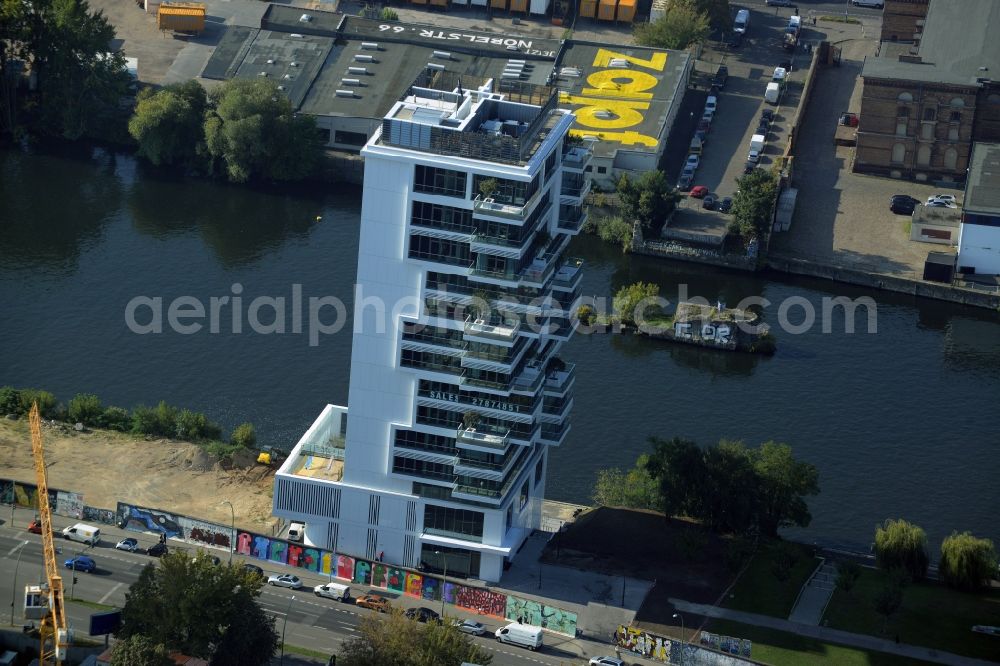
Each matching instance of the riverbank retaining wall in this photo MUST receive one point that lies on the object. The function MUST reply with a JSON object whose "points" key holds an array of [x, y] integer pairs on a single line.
{"points": [[942, 292]]}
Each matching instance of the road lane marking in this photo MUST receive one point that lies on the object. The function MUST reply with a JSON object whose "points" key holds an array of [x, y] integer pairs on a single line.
{"points": [[110, 592]]}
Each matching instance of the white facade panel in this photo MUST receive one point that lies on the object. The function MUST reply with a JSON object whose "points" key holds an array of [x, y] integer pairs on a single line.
{"points": [[979, 248]]}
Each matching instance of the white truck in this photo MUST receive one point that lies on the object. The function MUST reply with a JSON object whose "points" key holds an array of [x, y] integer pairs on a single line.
{"points": [[756, 148], [83, 533], [773, 93]]}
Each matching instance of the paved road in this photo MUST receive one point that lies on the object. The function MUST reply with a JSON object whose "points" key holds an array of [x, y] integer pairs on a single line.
{"points": [[318, 624]]}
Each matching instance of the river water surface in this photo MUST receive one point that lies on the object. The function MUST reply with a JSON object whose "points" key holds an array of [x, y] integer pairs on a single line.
{"points": [[900, 423]]}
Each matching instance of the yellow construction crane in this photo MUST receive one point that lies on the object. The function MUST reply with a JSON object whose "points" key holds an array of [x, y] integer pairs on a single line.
{"points": [[46, 603]]}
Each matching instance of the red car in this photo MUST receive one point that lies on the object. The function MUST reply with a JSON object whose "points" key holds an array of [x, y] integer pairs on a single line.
{"points": [[35, 527], [698, 191]]}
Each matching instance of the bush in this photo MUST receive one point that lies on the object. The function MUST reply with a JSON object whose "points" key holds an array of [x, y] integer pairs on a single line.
{"points": [[244, 436], [967, 563], [85, 408], [10, 401], [902, 545], [143, 420], [160, 420], [46, 402], [116, 418], [388, 14], [195, 426], [848, 574]]}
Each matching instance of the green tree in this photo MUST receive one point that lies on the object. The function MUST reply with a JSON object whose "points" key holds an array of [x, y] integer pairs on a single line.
{"points": [[615, 230], [753, 203], [681, 26], [194, 426], [889, 598], [116, 418], [650, 199], [10, 401], [244, 435], [848, 574], [679, 467], [203, 610], [966, 562], [78, 80], [139, 651], [635, 488], [46, 402], [635, 303], [252, 132], [901, 545], [85, 408], [720, 16], [394, 640], [169, 124], [783, 485], [727, 496]]}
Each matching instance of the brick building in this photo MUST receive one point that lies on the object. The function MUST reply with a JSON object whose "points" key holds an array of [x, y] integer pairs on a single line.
{"points": [[903, 20], [923, 104]]}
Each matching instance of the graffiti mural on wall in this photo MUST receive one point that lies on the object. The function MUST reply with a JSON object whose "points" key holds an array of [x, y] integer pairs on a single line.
{"points": [[483, 601], [345, 567], [92, 514], [414, 585], [140, 519], [431, 589], [362, 572], [206, 533], [738, 646], [540, 615], [645, 644], [23, 494], [69, 504]]}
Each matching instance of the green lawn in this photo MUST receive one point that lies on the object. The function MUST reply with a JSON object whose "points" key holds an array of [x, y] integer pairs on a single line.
{"points": [[306, 652], [932, 615], [785, 649], [759, 591], [91, 604]]}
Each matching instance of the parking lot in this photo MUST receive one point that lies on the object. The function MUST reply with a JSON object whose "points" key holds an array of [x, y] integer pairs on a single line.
{"points": [[739, 106]]}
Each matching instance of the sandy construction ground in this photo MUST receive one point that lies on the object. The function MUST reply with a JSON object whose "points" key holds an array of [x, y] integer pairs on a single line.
{"points": [[107, 467]]}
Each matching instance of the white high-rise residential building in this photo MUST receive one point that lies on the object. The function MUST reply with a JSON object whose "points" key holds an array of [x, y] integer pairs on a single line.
{"points": [[471, 194]]}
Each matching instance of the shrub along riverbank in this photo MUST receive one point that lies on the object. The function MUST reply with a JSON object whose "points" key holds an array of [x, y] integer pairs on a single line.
{"points": [[163, 420]]}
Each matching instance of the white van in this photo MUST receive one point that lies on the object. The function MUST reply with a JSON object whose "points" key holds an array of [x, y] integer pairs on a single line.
{"points": [[773, 93], [524, 635], [742, 22], [83, 533], [295, 531], [333, 591]]}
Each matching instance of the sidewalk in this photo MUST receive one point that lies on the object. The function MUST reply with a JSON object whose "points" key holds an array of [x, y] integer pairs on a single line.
{"points": [[815, 595], [826, 634]]}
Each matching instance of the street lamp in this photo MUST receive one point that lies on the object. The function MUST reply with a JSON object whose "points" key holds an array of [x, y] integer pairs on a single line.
{"points": [[680, 617], [232, 530], [284, 625], [14, 582], [445, 557]]}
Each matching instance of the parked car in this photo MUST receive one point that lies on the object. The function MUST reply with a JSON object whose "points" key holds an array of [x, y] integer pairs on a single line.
{"points": [[704, 125], [709, 202], [81, 563], [721, 76], [606, 661], [711, 104], [285, 580], [35, 526], [786, 65], [753, 156], [333, 591], [778, 3], [736, 41], [702, 135], [422, 614], [698, 191], [254, 569], [768, 115], [469, 627], [374, 602], [763, 127], [129, 544], [903, 204], [692, 163], [749, 167], [725, 205], [157, 550], [684, 182], [875, 4], [946, 199]]}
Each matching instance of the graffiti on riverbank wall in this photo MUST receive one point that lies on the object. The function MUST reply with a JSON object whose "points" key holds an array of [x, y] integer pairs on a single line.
{"points": [[643, 643], [540, 615], [740, 647], [92, 514], [24, 494], [728, 650], [69, 504]]}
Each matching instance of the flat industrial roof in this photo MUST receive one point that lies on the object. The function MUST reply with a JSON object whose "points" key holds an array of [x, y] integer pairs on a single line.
{"points": [[601, 99], [393, 68], [982, 189]]}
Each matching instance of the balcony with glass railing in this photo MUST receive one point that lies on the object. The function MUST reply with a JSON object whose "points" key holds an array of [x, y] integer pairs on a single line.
{"points": [[560, 380], [574, 186], [554, 434], [487, 436], [572, 218], [569, 275], [494, 328], [508, 208]]}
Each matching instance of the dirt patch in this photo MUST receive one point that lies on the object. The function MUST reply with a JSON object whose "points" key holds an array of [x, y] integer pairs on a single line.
{"points": [[685, 561], [108, 467]]}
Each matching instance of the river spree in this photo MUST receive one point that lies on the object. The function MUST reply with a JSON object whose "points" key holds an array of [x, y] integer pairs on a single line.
{"points": [[901, 422]]}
